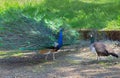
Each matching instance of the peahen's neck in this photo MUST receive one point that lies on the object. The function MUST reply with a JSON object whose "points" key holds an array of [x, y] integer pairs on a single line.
{"points": [[92, 39]]}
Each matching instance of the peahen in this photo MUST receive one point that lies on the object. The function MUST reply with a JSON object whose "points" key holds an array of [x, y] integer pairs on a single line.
{"points": [[53, 49], [100, 49]]}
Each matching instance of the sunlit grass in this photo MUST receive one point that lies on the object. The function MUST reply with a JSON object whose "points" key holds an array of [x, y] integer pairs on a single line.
{"points": [[99, 1], [98, 14], [4, 54], [112, 25], [6, 4]]}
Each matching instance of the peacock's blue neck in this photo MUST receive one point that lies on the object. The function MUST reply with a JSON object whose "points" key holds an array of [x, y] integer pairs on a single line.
{"points": [[60, 38]]}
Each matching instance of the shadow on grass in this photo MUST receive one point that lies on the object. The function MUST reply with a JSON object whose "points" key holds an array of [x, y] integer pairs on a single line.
{"points": [[105, 62], [20, 59]]}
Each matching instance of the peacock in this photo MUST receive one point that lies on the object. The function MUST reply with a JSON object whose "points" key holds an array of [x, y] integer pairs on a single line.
{"points": [[100, 49], [53, 49]]}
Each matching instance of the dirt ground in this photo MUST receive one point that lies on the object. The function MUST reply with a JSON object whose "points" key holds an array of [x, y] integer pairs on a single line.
{"points": [[75, 61]]}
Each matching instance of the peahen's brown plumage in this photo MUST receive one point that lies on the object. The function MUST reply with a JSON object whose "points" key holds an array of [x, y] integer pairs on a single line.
{"points": [[101, 49]]}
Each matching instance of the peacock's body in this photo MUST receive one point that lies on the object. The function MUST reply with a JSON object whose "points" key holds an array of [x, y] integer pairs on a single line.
{"points": [[54, 49]]}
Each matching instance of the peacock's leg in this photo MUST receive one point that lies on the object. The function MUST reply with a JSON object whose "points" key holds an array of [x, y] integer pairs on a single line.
{"points": [[46, 57], [54, 56]]}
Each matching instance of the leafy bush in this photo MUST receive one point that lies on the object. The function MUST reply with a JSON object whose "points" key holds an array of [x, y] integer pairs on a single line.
{"points": [[85, 14]]}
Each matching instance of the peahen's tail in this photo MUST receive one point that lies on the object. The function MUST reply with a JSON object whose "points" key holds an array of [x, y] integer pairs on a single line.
{"points": [[113, 54]]}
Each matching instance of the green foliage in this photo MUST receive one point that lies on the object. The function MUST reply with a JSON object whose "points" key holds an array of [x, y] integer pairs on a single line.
{"points": [[23, 22], [18, 16], [98, 14]]}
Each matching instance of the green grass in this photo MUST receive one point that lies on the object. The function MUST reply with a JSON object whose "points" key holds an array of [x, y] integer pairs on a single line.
{"points": [[86, 14]]}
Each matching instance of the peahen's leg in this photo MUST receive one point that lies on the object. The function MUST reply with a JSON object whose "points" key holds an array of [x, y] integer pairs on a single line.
{"points": [[98, 57]]}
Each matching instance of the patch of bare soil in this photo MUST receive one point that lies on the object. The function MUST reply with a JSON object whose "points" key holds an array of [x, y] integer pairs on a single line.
{"points": [[75, 61]]}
